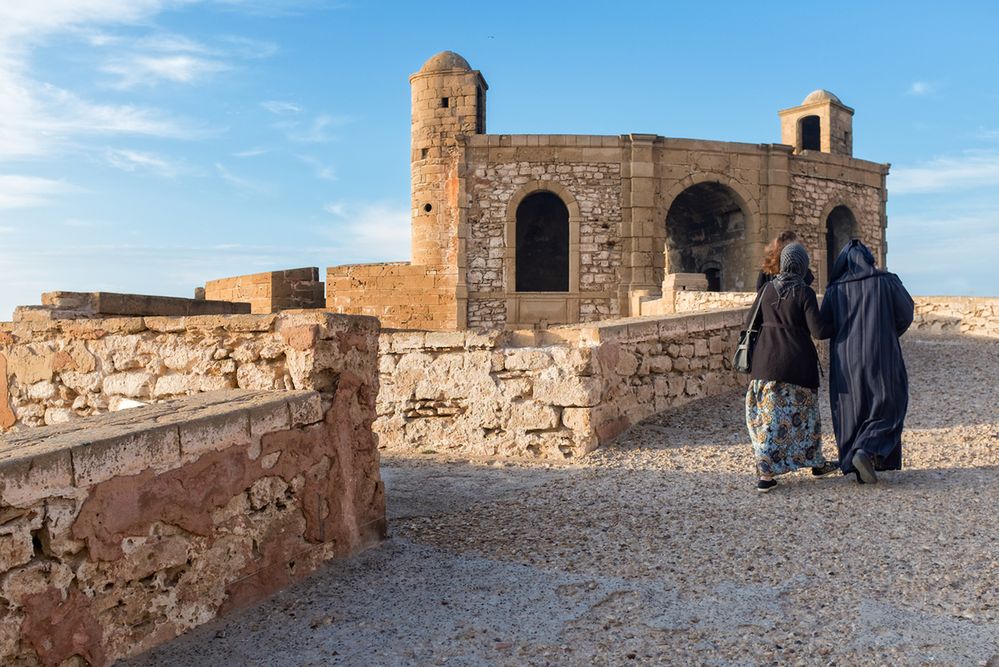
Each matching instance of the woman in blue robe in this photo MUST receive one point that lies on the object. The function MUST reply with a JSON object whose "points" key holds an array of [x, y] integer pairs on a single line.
{"points": [[868, 386]]}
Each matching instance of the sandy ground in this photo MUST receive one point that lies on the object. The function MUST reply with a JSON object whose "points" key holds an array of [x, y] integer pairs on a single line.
{"points": [[658, 550]]}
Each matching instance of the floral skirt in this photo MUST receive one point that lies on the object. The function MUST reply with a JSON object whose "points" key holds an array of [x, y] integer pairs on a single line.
{"points": [[784, 426]]}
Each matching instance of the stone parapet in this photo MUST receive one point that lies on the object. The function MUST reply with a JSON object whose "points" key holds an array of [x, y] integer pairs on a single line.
{"points": [[974, 316], [92, 305], [56, 371], [271, 291], [550, 393], [124, 530]]}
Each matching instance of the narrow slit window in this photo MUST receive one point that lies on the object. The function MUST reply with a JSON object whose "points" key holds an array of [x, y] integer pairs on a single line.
{"points": [[445, 102]]}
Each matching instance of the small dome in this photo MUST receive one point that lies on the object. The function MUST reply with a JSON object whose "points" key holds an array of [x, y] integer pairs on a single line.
{"points": [[443, 61], [820, 95]]}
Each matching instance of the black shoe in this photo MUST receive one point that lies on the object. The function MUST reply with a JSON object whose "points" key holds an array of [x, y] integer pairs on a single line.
{"points": [[824, 469], [765, 485], [865, 467]]}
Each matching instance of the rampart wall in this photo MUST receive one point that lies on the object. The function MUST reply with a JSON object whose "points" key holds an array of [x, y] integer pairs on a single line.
{"points": [[550, 394], [400, 295], [123, 530], [59, 370], [271, 291], [967, 315]]}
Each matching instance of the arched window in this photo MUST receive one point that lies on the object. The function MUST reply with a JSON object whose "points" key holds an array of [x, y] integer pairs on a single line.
{"points": [[841, 227], [809, 129], [542, 244]]}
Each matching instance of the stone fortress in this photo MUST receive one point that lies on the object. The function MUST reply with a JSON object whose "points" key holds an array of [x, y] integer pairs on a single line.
{"points": [[166, 460], [513, 231]]}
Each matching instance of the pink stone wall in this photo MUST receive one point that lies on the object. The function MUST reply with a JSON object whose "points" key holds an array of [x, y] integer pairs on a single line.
{"points": [[124, 530]]}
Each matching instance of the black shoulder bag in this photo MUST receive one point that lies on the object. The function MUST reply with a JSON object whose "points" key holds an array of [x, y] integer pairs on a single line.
{"points": [[742, 360]]}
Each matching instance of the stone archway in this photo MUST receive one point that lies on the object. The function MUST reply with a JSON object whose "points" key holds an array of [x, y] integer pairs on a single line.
{"points": [[841, 227], [706, 233]]}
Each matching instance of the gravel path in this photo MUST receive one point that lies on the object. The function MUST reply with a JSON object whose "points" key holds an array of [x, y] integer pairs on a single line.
{"points": [[659, 551]]}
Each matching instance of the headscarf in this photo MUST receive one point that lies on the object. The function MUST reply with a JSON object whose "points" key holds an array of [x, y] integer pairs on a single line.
{"points": [[793, 267], [855, 262]]}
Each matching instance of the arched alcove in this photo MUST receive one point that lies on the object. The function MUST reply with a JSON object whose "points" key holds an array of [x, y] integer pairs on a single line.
{"points": [[706, 233], [542, 244], [841, 226]]}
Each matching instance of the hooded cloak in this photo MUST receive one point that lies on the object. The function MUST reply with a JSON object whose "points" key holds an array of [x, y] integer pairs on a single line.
{"points": [[868, 385]]}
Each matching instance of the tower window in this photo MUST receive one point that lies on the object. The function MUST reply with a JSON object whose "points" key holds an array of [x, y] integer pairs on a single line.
{"points": [[424, 153], [810, 133], [427, 208], [445, 102]]}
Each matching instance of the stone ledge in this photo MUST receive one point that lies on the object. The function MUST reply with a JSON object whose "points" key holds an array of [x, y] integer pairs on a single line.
{"points": [[62, 305]]}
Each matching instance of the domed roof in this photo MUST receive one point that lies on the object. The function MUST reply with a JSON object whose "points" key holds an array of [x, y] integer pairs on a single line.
{"points": [[443, 61], [820, 95]]}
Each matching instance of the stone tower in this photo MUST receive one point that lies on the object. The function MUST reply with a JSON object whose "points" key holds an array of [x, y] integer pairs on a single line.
{"points": [[449, 99], [820, 123]]}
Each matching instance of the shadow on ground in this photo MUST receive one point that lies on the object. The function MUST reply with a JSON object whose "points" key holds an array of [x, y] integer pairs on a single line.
{"points": [[657, 550]]}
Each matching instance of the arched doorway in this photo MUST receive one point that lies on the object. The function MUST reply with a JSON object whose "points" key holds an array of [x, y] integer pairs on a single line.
{"points": [[542, 250], [841, 227], [706, 234]]}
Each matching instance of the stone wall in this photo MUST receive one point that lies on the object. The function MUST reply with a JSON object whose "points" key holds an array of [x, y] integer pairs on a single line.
{"points": [[974, 316], [400, 295], [586, 174], [694, 301], [124, 530], [271, 291], [551, 394], [815, 192], [59, 370]]}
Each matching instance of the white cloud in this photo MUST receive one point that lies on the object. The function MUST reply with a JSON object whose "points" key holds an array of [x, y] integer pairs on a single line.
{"points": [[279, 107], [79, 223], [42, 17], [7, 230], [151, 70], [323, 172], [964, 171], [132, 161], [249, 48], [920, 88], [244, 184], [370, 231], [19, 191], [251, 152]]}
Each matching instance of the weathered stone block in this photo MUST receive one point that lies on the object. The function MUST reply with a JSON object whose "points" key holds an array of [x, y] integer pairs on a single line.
{"points": [[135, 384], [533, 416], [527, 359], [102, 459], [307, 409], [214, 433], [556, 389]]}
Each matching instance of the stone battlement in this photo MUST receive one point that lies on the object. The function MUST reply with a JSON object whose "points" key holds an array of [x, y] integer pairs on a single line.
{"points": [[123, 530]]}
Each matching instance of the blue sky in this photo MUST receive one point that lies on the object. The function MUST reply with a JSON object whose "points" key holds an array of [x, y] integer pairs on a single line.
{"points": [[150, 145]]}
